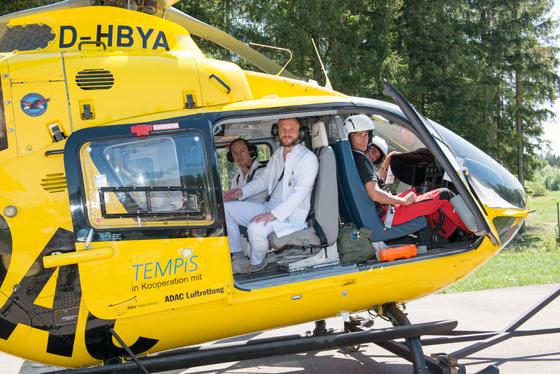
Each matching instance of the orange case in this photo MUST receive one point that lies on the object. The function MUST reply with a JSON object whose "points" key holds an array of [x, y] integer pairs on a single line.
{"points": [[397, 253]]}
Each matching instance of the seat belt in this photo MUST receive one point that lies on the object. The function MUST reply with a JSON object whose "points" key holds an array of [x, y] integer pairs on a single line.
{"points": [[276, 185], [253, 173], [316, 226], [389, 217]]}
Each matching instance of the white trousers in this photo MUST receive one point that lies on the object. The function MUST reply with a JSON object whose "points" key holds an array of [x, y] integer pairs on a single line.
{"points": [[240, 213]]}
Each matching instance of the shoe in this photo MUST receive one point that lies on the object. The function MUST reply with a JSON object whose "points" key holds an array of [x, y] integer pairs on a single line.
{"points": [[255, 268], [238, 256], [241, 266]]}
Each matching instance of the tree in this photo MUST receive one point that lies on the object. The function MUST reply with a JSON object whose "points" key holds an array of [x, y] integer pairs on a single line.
{"points": [[14, 6], [484, 68]]}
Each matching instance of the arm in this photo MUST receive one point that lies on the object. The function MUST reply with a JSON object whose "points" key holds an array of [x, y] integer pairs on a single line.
{"points": [[385, 164], [382, 197]]}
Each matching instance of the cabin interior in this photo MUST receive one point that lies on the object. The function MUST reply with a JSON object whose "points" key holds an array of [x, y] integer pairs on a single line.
{"points": [[340, 198]]}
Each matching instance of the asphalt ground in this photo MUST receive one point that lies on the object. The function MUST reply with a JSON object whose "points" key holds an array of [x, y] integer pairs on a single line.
{"points": [[490, 310]]}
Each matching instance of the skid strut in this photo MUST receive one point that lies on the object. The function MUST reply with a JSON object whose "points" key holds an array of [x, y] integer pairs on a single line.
{"points": [[490, 338], [198, 356]]}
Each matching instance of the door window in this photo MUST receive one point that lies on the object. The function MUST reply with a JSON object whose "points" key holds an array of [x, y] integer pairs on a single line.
{"points": [[158, 181]]}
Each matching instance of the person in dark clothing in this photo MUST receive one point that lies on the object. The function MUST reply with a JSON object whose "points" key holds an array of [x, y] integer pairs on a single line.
{"points": [[407, 205]]}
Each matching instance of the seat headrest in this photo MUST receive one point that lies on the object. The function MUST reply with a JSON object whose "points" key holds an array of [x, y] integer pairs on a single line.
{"points": [[319, 136]]}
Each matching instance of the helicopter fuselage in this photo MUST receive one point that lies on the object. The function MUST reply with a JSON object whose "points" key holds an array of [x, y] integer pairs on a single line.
{"points": [[75, 81]]}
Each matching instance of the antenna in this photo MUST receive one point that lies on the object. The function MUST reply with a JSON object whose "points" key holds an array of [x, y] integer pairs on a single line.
{"points": [[328, 84], [278, 48]]}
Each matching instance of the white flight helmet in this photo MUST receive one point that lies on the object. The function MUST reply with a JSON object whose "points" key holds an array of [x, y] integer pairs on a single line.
{"points": [[381, 144], [358, 122]]}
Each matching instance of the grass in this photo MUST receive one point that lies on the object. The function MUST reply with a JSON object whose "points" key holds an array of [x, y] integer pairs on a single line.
{"points": [[533, 257]]}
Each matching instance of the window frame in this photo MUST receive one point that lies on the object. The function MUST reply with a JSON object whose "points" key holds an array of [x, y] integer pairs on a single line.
{"points": [[91, 171], [180, 228]]}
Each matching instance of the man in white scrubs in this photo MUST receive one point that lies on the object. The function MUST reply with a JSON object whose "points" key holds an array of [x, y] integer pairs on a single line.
{"points": [[288, 180], [244, 154]]}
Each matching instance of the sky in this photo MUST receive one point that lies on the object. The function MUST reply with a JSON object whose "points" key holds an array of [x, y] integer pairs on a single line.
{"points": [[552, 128]]}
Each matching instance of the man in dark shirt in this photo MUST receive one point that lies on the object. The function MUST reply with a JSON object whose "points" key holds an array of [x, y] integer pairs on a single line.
{"points": [[408, 205]]}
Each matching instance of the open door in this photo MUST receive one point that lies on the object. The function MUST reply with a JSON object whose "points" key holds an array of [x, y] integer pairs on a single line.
{"points": [[445, 156], [148, 223]]}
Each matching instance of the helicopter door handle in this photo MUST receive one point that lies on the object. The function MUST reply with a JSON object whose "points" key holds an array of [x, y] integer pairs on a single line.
{"points": [[93, 42], [220, 81], [71, 258]]}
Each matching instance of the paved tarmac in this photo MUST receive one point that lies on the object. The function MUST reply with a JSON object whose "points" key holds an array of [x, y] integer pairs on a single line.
{"points": [[480, 310]]}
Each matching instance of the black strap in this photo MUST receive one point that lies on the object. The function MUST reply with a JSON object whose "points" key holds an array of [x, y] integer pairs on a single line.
{"points": [[316, 226], [319, 231], [276, 185], [253, 172]]}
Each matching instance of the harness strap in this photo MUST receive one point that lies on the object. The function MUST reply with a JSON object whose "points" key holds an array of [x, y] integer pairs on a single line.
{"points": [[389, 217], [253, 173], [276, 185]]}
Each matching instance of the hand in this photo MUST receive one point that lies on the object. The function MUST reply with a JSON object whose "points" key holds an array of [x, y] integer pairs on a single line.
{"points": [[409, 198], [233, 194], [264, 217]]}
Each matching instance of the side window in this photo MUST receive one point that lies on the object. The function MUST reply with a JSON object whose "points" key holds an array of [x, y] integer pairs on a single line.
{"points": [[3, 134], [228, 169], [159, 181]]}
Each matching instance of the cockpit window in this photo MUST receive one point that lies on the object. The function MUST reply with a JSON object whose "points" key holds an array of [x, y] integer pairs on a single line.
{"points": [[3, 135], [398, 137], [494, 185], [148, 182]]}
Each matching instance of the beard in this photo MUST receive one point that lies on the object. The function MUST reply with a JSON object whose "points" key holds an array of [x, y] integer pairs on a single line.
{"points": [[289, 143]]}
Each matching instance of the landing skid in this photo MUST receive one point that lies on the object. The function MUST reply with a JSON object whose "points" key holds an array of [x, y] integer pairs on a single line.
{"points": [[408, 347]]}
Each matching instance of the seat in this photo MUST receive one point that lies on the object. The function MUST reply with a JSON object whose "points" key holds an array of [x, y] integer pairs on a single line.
{"points": [[323, 224], [356, 205], [322, 230]]}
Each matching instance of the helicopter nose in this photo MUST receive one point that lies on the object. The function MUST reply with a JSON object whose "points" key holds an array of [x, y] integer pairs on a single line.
{"points": [[502, 196]]}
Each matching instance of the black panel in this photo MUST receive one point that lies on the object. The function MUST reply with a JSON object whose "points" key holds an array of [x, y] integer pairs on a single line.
{"points": [[99, 342], [5, 248], [413, 168], [26, 38], [61, 320]]}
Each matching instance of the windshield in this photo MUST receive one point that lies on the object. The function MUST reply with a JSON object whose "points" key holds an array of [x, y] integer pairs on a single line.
{"points": [[494, 185]]}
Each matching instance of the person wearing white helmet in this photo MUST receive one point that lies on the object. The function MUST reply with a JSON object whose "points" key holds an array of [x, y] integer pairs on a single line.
{"points": [[378, 152], [360, 130], [407, 205]]}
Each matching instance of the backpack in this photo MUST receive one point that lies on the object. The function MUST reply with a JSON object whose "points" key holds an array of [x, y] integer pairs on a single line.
{"points": [[354, 245]]}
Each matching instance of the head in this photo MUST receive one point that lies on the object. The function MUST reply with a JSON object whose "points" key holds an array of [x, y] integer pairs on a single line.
{"points": [[289, 131], [359, 128], [241, 154], [377, 149]]}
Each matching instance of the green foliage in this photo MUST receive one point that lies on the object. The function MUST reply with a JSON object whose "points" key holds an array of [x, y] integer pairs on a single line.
{"points": [[14, 6], [532, 257], [550, 177], [535, 189]]}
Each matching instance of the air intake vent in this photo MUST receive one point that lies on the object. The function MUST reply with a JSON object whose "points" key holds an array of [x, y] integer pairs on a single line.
{"points": [[95, 79], [54, 182]]}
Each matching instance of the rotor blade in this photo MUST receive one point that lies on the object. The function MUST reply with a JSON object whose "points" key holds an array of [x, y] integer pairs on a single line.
{"points": [[210, 33], [56, 6]]}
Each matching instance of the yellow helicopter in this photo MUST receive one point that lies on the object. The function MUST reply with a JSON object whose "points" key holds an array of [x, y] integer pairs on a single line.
{"points": [[114, 129]]}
